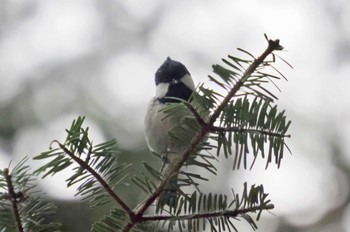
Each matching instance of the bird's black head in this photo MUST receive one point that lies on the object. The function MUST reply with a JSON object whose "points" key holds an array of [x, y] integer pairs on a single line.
{"points": [[169, 71], [173, 80]]}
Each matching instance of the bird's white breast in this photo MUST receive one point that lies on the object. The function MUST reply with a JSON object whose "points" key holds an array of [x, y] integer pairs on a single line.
{"points": [[157, 128]]}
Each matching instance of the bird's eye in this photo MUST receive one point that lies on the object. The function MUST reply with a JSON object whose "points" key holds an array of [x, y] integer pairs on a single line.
{"points": [[174, 81]]}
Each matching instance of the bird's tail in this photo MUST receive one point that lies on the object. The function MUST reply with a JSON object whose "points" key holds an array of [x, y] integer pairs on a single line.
{"points": [[170, 193]]}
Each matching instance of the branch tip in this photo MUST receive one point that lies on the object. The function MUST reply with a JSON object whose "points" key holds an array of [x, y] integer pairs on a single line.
{"points": [[274, 44]]}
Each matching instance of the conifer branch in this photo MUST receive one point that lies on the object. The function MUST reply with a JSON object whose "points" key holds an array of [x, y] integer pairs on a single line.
{"points": [[13, 198], [272, 46], [104, 184], [80, 144], [22, 210], [212, 128], [205, 129]]}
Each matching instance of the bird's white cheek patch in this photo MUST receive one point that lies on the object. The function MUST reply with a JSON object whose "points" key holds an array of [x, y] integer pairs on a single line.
{"points": [[187, 80], [161, 90]]}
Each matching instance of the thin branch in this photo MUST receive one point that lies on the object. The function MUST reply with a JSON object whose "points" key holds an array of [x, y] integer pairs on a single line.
{"points": [[228, 213], [13, 199], [104, 184], [195, 113], [272, 46], [212, 128], [242, 130]]}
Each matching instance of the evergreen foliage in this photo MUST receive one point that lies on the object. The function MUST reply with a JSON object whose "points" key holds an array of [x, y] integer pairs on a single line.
{"points": [[22, 208], [239, 120]]}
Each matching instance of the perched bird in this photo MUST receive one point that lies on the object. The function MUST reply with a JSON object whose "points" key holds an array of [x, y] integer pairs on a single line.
{"points": [[172, 81]]}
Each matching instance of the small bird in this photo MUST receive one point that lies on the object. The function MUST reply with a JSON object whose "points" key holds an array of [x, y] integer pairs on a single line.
{"points": [[173, 82]]}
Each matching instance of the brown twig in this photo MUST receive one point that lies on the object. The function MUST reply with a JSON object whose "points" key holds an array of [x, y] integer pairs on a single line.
{"points": [[205, 129], [195, 113], [13, 198], [104, 184], [228, 213], [242, 130]]}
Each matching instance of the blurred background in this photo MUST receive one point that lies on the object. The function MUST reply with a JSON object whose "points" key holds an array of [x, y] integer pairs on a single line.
{"points": [[97, 58]]}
